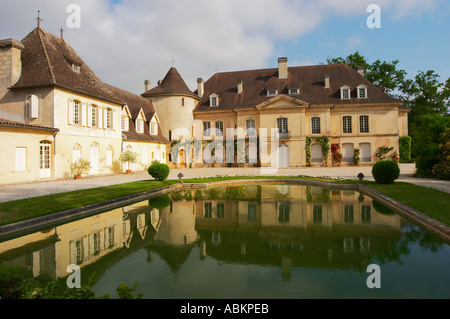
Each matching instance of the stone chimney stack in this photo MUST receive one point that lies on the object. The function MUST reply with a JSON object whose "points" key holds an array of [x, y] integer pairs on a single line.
{"points": [[201, 87], [10, 62], [360, 70], [240, 86], [282, 68], [147, 85], [327, 81]]}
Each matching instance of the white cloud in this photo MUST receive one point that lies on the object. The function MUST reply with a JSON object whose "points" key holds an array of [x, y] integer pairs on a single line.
{"points": [[135, 40]]}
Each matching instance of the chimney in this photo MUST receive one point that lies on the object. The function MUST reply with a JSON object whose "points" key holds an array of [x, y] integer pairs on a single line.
{"points": [[147, 85], [240, 86], [282, 68], [327, 81], [10, 62], [360, 70], [159, 82], [201, 87]]}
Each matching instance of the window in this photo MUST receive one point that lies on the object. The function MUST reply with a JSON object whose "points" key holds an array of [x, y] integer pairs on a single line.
{"points": [[154, 128], [366, 214], [76, 153], [124, 123], [206, 128], [293, 91], [220, 210], [272, 92], [362, 91], [170, 136], [283, 212], [219, 128], [315, 125], [34, 106], [345, 92], [208, 210], [347, 124], [251, 215], [251, 128], [93, 115], [182, 101], [109, 156], [317, 214], [140, 126], [364, 124], [109, 119], [214, 100], [76, 112], [76, 67], [282, 124], [21, 159], [348, 214], [45, 156]]}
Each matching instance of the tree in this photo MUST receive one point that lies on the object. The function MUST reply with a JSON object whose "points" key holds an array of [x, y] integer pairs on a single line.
{"points": [[129, 157], [383, 74]]}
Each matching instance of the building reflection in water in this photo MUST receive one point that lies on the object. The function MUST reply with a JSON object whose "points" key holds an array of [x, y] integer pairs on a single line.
{"points": [[282, 225]]}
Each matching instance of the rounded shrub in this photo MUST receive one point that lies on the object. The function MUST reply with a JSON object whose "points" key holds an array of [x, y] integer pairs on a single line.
{"points": [[159, 171], [385, 172], [159, 202]]}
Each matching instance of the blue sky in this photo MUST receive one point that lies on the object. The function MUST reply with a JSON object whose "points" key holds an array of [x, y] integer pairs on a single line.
{"points": [[128, 41]]}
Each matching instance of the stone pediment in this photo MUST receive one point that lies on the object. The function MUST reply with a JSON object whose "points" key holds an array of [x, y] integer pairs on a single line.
{"points": [[282, 101]]}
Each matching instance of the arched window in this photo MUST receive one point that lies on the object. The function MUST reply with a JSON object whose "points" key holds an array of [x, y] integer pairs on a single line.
{"points": [[109, 156], [76, 153]]}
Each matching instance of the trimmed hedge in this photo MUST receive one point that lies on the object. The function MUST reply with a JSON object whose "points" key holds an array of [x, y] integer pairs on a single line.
{"points": [[159, 171], [404, 144], [385, 172]]}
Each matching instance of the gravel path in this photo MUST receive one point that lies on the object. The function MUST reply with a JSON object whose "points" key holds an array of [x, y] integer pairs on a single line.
{"points": [[20, 191]]}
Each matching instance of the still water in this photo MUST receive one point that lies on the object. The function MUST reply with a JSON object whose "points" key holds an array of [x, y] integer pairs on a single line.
{"points": [[254, 241]]}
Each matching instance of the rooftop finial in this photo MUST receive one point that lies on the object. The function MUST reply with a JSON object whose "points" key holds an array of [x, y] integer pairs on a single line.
{"points": [[62, 32], [39, 20]]}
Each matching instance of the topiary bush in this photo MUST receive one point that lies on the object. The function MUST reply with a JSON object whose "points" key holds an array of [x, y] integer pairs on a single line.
{"points": [[385, 172], [159, 171]]}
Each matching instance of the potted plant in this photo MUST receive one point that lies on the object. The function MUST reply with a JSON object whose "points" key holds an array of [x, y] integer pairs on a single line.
{"points": [[130, 158], [79, 168]]}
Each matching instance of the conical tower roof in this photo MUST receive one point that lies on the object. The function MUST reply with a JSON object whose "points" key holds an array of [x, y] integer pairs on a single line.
{"points": [[173, 84]]}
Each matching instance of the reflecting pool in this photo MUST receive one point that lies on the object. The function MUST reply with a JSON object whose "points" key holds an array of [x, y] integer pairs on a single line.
{"points": [[254, 241]]}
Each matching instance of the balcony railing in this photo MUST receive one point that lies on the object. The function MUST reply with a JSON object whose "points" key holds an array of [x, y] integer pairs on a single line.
{"points": [[285, 135]]}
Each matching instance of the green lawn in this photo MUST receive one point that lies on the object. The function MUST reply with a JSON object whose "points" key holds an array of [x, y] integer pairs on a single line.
{"points": [[431, 202]]}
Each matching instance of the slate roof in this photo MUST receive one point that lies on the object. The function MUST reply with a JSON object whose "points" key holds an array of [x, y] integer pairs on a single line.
{"points": [[9, 123], [172, 83], [135, 103], [47, 61], [310, 80]]}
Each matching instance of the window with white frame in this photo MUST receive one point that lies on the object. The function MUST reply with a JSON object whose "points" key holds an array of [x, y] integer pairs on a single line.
{"points": [[154, 128], [272, 92], [124, 123], [76, 153], [109, 119], [94, 116], [294, 91], [315, 125], [347, 124], [364, 124], [219, 128], [345, 92], [251, 127], [362, 91], [282, 124], [76, 112], [206, 128], [140, 126], [214, 100]]}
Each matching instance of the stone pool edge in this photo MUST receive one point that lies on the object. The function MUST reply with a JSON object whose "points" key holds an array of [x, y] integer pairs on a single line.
{"points": [[423, 220]]}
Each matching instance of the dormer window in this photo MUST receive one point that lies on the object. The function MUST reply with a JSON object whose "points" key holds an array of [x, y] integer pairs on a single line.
{"points": [[154, 128], [362, 91], [124, 123], [294, 91], [345, 92], [272, 92], [76, 67], [214, 100], [140, 126]]}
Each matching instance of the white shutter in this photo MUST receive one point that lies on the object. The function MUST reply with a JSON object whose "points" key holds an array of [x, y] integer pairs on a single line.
{"points": [[89, 115], [105, 118], [100, 117], [114, 120], [34, 107], [83, 114], [70, 111]]}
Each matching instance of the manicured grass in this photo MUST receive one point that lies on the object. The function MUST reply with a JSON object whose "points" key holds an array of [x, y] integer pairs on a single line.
{"points": [[15, 211], [431, 202]]}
